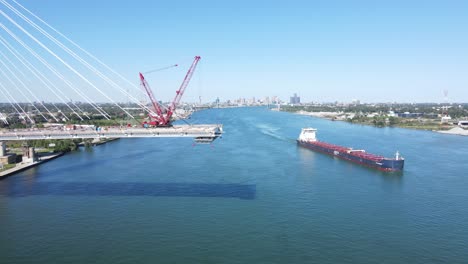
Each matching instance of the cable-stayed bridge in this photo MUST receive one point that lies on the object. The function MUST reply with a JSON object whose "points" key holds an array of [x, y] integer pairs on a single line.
{"points": [[44, 74]]}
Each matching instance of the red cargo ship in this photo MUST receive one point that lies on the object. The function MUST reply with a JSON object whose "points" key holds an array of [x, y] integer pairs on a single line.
{"points": [[308, 139]]}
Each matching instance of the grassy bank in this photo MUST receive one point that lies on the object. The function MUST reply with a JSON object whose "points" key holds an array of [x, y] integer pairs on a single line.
{"points": [[7, 167], [379, 118]]}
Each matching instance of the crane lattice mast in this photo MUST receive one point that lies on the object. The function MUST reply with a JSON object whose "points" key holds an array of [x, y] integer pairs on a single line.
{"points": [[181, 90], [161, 119]]}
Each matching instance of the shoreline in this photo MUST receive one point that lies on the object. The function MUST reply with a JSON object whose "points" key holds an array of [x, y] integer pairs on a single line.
{"points": [[24, 166], [330, 115], [98, 142], [454, 131]]}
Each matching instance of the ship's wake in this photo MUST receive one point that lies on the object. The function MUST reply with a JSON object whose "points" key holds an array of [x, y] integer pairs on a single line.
{"points": [[271, 132]]}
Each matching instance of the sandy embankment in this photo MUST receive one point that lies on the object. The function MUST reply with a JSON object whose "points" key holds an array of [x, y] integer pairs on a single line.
{"points": [[328, 115], [455, 131]]}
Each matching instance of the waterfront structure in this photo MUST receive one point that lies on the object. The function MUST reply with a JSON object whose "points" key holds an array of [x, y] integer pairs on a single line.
{"points": [[7, 158], [29, 154], [445, 119], [2, 149]]}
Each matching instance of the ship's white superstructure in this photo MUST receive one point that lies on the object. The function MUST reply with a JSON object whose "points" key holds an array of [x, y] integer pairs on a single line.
{"points": [[308, 134]]}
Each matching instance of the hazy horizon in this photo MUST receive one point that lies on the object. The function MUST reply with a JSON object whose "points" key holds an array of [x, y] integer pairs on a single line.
{"points": [[325, 51]]}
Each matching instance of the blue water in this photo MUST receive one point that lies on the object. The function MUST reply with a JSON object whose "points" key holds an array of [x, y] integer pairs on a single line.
{"points": [[251, 197]]}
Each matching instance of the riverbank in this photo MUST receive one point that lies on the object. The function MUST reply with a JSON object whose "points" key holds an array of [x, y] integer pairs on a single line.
{"points": [[24, 166], [335, 116], [98, 141], [325, 115], [44, 158], [455, 131]]}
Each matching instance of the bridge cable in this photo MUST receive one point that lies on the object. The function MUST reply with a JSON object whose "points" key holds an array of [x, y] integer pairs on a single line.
{"points": [[42, 78], [4, 119], [24, 85], [10, 101], [18, 89], [51, 69], [84, 51], [6, 92], [77, 57], [58, 74], [64, 63], [31, 68]]}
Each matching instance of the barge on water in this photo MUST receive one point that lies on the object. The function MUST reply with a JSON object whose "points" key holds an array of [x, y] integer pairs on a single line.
{"points": [[308, 139]]}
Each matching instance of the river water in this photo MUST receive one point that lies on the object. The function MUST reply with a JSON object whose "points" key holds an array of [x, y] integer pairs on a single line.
{"points": [[253, 196]]}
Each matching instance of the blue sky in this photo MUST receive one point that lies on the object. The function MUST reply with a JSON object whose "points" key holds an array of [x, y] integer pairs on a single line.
{"points": [[375, 51]]}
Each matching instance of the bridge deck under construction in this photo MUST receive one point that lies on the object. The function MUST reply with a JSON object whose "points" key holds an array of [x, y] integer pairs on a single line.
{"points": [[202, 133]]}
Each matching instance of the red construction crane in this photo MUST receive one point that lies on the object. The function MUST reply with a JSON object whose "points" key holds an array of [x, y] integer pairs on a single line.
{"points": [[159, 114], [181, 90], [161, 119]]}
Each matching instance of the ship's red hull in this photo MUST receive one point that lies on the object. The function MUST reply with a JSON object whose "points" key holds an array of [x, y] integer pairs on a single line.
{"points": [[368, 160]]}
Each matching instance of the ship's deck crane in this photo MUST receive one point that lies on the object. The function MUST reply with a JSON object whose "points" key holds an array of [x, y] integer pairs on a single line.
{"points": [[165, 119]]}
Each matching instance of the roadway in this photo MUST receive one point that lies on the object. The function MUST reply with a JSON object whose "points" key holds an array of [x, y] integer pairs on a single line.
{"points": [[199, 132]]}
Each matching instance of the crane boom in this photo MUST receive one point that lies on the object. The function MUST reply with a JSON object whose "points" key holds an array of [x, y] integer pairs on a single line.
{"points": [[181, 90], [160, 118]]}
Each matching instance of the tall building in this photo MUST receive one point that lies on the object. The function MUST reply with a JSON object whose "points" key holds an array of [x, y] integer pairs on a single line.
{"points": [[295, 99]]}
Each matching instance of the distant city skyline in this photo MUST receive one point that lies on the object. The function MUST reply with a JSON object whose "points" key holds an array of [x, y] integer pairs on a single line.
{"points": [[324, 51]]}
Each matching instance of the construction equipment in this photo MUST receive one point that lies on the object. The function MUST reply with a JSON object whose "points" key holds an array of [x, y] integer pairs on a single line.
{"points": [[155, 120], [164, 118]]}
